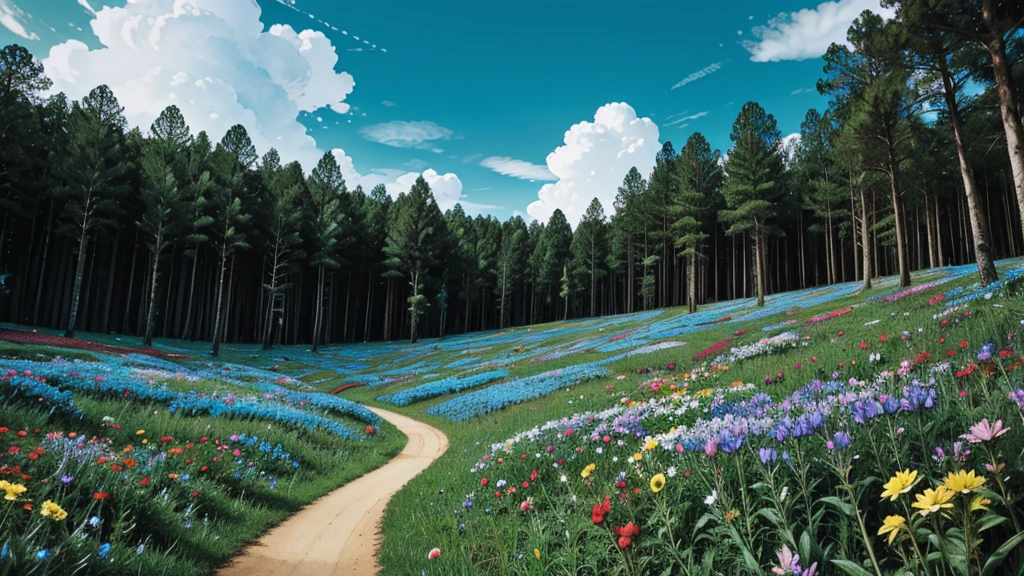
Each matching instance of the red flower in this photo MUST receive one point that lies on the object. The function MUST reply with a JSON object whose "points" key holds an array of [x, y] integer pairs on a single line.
{"points": [[533, 475], [166, 438], [863, 345], [598, 512], [624, 542], [100, 495], [525, 506], [1005, 353], [840, 332], [22, 433], [963, 344], [116, 468], [882, 337], [3, 429], [950, 352], [195, 493], [922, 357], [630, 530], [144, 481], [483, 481], [620, 485], [966, 371], [942, 340], [526, 484]]}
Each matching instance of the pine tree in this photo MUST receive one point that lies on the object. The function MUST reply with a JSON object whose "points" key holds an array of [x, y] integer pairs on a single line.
{"points": [[556, 243], [750, 190], [822, 194], [699, 175], [414, 226], [326, 188], [283, 242], [590, 249], [197, 186], [97, 136], [509, 265]]}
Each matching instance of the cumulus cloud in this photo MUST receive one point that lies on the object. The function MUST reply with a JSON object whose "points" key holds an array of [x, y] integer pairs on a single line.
{"points": [[12, 18], [517, 168], [213, 60], [705, 71], [400, 134], [809, 32], [594, 159]]}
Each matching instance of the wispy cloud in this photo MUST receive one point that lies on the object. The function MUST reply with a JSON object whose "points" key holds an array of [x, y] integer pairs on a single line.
{"points": [[688, 118], [802, 91], [389, 104], [705, 71], [517, 168], [472, 158], [88, 8], [12, 18], [292, 5], [399, 134]]}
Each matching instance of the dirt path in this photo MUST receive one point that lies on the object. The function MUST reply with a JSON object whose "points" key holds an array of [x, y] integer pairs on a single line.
{"points": [[338, 534]]}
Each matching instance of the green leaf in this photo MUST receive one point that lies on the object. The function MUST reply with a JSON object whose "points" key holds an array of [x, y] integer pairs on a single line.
{"points": [[851, 568], [839, 503], [990, 521], [771, 516], [1000, 554]]}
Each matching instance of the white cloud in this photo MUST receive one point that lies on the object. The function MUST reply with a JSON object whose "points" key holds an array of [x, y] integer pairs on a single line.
{"points": [[517, 168], [789, 145], [705, 71], [593, 161], [12, 18], [213, 59], [389, 104], [401, 134], [809, 32], [802, 91], [85, 4]]}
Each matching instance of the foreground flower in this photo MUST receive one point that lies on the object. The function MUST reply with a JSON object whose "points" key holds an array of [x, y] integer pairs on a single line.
{"points": [[984, 432], [52, 510], [12, 490], [963, 482], [598, 512], [788, 562], [901, 483], [657, 483], [434, 553], [892, 526], [932, 501], [588, 470], [627, 533]]}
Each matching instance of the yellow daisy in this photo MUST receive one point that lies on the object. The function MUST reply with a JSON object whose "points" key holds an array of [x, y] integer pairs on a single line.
{"points": [[963, 482], [892, 526], [932, 501], [901, 483], [49, 508], [657, 483], [588, 470]]}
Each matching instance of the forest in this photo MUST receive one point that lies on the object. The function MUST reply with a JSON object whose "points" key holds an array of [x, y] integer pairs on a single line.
{"points": [[917, 162]]}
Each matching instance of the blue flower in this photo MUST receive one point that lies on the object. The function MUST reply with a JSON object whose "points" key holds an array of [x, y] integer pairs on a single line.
{"points": [[94, 521], [43, 554], [104, 550]]}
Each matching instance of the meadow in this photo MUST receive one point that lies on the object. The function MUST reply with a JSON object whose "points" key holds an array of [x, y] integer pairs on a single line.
{"points": [[830, 432]]}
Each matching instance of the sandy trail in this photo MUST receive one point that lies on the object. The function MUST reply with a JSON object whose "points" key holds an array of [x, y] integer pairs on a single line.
{"points": [[338, 534]]}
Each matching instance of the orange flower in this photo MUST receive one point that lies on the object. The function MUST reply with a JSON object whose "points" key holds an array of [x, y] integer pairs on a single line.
{"points": [[130, 462], [172, 476], [100, 495], [116, 468]]}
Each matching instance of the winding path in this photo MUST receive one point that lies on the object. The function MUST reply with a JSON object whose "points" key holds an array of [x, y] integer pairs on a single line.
{"points": [[338, 534]]}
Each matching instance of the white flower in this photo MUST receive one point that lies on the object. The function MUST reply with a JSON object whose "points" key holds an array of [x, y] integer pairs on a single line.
{"points": [[599, 450], [710, 500], [671, 471], [782, 495], [564, 479]]}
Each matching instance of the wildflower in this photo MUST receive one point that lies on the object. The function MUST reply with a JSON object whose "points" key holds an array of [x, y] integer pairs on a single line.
{"points": [[842, 439], [483, 481], [525, 506], [588, 470], [638, 456], [983, 431], [979, 503], [712, 498], [626, 533], [932, 501], [140, 432], [100, 495], [731, 515], [12, 490], [901, 483], [434, 553], [104, 550], [963, 482], [599, 511], [657, 483], [52, 510], [536, 553], [671, 472], [892, 526], [788, 562]]}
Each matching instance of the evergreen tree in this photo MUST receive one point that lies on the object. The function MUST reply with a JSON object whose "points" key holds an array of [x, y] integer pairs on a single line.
{"points": [[414, 226], [699, 175], [97, 138], [283, 242], [590, 249], [326, 188], [509, 265], [750, 190], [197, 187], [556, 244]]}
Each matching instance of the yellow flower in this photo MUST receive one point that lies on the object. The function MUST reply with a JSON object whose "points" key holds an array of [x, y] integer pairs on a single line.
{"points": [[933, 500], [638, 456], [702, 393], [651, 445], [901, 483], [657, 483], [52, 510], [980, 503], [140, 432], [892, 526], [12, 490], [588, 470], [536, 553], [963, 482]]}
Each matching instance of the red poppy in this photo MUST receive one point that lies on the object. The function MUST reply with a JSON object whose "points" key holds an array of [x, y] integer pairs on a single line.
{"points": [[100, 495], [950, 352], [1005, 353], [3, 430], [963, 344], [863, 345], [195, 493], [942, 340], [630, 530], [598, 512], [166, 438], [882, 337], [116, 468], [966, 371], [22, 433], [624, 542], [144, 481], [483, 481], [922, 357]]}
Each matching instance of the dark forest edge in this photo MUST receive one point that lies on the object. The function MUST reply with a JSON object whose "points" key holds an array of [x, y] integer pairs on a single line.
{"points": [[105, 228]]}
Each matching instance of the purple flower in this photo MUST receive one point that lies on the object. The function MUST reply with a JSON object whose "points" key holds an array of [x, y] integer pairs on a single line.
{"points": [[842, 439], [986, 352], [66, 479], [767, 455]]}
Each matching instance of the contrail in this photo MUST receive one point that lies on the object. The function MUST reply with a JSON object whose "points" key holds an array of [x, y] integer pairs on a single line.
{"points": [[705, 71]]}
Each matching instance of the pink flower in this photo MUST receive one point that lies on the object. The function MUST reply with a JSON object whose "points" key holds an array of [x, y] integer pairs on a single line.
{"points": [[983, 431], [434, 553], [710, 448], [787, 561], [525, 506]]}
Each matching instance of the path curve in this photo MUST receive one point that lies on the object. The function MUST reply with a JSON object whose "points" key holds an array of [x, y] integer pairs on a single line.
{"points": [[338, 534]]}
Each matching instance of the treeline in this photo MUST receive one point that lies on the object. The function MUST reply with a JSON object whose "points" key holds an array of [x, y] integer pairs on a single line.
{"points": [[168, 233]]}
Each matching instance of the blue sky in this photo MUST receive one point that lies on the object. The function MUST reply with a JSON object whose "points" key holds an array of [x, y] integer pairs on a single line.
{"points": [[474, 95]]}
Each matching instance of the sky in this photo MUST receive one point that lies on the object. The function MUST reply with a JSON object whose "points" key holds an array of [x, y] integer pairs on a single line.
{"points": [[509, 108]]}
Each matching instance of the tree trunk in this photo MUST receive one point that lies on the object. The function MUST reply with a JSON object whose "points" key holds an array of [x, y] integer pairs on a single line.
{"points": [[220, 296], [42, 266], [759, 261], [979, 224], [76, 291], [691, 284], [897, 205], [318, 308], [147, 340], [110, 284]]}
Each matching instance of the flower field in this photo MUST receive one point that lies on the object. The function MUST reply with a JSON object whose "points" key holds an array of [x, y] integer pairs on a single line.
{"points": [[829, 432]]}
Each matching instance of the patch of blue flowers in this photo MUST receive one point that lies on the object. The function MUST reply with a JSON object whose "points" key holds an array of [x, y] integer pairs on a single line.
{"points": [[441, 387]]}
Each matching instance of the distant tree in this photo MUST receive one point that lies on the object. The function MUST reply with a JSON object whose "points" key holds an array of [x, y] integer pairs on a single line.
{"points": [[630, 222], [97, 184], [326, 187], [283, 242], [590, 249], [751, 190], [822, 194], [196, 191], [414, 225], [556, 244], [510, 264], [699, 179]]}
